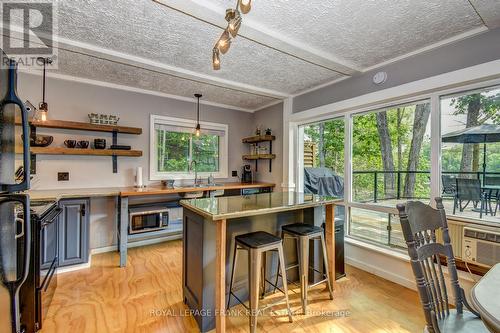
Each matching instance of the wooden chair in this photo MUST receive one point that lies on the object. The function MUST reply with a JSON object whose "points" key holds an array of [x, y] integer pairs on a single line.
{"points": [[420, 223]]}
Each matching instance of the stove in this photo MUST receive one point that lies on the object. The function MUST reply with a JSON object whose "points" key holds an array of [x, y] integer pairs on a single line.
{"points": [[40, 208], [37, 292]]}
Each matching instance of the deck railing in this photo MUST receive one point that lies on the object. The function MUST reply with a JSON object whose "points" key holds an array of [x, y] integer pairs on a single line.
{"points": [[379, 174]]}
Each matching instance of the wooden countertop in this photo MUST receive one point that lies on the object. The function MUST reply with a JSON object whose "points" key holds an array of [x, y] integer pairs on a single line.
{"points": [[132, 191], [158, 190], [74, 193]]}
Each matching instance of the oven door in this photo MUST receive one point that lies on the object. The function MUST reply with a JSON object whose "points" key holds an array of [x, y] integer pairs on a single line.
{"points": [[144, 221], [48, 262]]}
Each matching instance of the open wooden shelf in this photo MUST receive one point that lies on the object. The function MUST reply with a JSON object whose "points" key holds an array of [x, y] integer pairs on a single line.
{"points": [[81, 126], [73, 125], [258, 138], [260, 157], [81, 151]]}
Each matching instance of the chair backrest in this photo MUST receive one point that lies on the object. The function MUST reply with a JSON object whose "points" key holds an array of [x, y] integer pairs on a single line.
{"points": [[468, 189], [420, 223], [492, 180], [449, 184]]}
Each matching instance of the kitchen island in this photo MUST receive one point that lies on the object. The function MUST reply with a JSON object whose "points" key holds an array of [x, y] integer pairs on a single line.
{"points": [[209, 228]]}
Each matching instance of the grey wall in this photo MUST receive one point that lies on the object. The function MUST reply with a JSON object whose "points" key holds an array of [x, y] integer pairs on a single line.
{"points": [[74, 100], [469, 52], [272, 117]]}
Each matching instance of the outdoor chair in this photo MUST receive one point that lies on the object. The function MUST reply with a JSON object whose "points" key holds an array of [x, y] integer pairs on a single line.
{"points": [[470, 190], [420, 223], [449, 186], [493, 195]]}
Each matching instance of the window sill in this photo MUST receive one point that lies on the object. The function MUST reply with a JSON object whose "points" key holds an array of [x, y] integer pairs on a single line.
{"points": [[378, 248]]}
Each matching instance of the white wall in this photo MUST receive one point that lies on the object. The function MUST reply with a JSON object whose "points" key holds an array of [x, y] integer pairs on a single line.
{"points": [[73, 101], [272, 117]]}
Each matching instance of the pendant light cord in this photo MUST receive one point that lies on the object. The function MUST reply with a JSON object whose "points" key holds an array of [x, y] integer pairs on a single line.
{"points": [[43, 85], [198, 111]]}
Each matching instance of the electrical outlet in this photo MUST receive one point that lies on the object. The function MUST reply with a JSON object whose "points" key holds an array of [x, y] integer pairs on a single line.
{"points": [[234, 173], [62, 176]]}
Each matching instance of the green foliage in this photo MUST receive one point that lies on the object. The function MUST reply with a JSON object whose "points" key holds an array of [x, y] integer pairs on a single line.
{"points": [[489, 105], [175, 150]]}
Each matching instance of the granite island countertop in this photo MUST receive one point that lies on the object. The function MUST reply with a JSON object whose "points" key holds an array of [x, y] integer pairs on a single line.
{"points": [[219, 208]]}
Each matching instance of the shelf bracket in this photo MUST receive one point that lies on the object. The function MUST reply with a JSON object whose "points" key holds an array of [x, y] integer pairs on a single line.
{"points": [[114, 157], [270, 152], [32, 156]]}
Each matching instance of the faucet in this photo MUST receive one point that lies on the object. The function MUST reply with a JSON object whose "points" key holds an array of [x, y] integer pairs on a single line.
{"points": [[195, 170]]}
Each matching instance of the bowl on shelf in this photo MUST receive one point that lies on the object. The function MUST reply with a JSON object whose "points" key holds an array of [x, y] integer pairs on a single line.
{"points": [[41, 140], [70, 143], [82, 144]]}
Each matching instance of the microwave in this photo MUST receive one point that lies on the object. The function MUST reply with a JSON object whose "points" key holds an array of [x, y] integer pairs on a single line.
{"points": [[145, 219]]}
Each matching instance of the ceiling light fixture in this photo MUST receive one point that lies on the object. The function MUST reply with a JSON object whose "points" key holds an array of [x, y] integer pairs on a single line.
{"points": [[197, 130], [216, 59], [245, 6], [224, 42], [43, 107], [233, 18]]}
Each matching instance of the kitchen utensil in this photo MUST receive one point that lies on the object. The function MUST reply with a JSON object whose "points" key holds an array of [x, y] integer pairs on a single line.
{"points": [[100, 143], [168, 183], [70, 143], [83, 144]]}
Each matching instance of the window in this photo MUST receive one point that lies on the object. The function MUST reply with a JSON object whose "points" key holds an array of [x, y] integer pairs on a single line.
{"points": [[391, 154], [173, 146], [470, 163]]}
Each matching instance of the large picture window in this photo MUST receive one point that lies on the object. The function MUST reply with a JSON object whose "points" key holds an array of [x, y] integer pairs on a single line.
{"points": [[446, 143], [391, 154], [470, 154], [174, 146]]}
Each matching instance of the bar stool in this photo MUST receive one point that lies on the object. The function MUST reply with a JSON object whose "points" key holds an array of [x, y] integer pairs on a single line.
{"points": [[257, 244], [303, 233]]}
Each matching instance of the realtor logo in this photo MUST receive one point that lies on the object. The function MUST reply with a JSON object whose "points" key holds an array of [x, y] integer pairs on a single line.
{"points": [[28, 30]]}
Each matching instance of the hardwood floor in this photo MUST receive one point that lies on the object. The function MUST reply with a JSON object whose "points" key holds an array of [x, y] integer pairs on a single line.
{"points": [[146, 296]]}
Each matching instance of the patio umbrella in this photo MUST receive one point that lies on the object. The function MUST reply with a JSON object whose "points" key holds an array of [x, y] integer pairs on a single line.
{"points": [[479, 134]]}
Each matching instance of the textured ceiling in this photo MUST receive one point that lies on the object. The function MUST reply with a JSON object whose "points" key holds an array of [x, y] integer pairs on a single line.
{"points": [[146, 29], [365, 32], [84, 66], [357, 33]]}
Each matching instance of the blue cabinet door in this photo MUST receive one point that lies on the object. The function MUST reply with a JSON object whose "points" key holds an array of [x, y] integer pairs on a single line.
{"points": [[74, 232]]}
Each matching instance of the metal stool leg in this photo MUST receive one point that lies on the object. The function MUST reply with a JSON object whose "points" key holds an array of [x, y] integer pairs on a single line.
{"points": [[304, 269], [285, 284], [325, 260], [263, 276], [254, 266], [232, 275]]}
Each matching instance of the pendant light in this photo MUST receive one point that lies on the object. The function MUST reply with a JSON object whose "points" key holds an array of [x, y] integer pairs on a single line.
{"points": [[198, 127], [43, 107], [224, 42], [233, 18], [245, 6], [216, 59]]}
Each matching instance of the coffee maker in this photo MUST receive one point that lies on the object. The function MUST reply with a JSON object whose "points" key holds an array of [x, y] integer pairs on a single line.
{"points": [[247, 175]]}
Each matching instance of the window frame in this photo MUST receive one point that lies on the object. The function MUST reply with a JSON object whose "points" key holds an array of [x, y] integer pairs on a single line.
{"points": [[154, 174], [384, 99]]}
